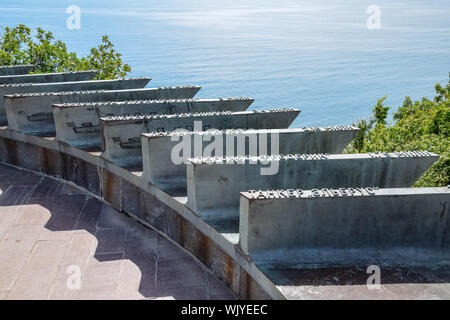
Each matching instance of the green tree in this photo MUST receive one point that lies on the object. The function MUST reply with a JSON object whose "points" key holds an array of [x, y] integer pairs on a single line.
{"points": [[106, 60], [417, 125], [380, 112], [19, 46]]}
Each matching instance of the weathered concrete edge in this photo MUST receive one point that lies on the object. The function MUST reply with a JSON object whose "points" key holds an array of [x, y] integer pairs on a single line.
{"points": [[148, 101], [140, 119], [248, 282]]}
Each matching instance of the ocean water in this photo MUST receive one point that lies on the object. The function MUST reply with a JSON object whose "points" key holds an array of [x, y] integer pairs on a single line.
{"points": [[318, 56]]}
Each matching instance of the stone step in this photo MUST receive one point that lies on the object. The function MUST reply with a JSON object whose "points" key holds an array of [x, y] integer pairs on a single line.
{"points": [[307, 226], [33, 112], [15, 70], [213, 186], [72, 119], [7, 89], [168, 170], [49, 77], [121, 136]]}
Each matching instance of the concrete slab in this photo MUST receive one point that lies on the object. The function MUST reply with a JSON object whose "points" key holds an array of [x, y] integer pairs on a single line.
{"points": [[172, 275], [214, 184], [348, 224], [397, 282], [49, 77], [121, 141], [8, 89], [38, 212], [20, 108], [15, 247], [161, 169], [40, 271], [79, 123], [15, 70]]}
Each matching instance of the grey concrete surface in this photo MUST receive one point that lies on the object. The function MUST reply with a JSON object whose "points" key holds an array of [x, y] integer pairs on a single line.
{"points": [[7, 89], [397, 282], [273, 223], [71, 119], [15, 70], [51, 231], [214, 185], [20, 108], [122, 135], [164, 169], [49, 77]]}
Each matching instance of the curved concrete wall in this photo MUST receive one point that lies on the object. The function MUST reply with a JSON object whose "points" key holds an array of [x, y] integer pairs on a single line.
{"points": [[129, 193]]}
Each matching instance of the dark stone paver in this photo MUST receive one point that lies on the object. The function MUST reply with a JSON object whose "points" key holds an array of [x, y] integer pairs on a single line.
{"points": [[89, 215], [173, 275], [66, 212], [52, 233], [111, 240], [47, 188], [26, 179]]}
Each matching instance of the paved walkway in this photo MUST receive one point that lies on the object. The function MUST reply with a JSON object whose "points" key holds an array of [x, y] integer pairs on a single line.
{"points": [[57, 243]]}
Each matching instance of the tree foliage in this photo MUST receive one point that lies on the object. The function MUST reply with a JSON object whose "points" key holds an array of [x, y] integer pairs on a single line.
{"points": [[417, 125], [19, 46]]}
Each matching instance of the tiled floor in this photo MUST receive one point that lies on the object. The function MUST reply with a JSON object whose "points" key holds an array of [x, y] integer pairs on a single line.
{"points": [[57, 243]]}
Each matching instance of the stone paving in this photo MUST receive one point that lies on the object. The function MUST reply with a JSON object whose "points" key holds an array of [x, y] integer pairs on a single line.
{"points": [[52, 234]]}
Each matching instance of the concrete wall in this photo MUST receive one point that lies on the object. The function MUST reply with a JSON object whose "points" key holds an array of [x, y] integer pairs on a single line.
{"points": [[49, 77], [19, 107], [213, 187], [122, 135], [307, 220], [8, 89], [71, 118], [160, 169], [128, 193], [13, 70]]}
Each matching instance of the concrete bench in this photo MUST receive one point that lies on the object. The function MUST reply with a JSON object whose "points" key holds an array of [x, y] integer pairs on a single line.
{"points": [[71, 120], [214, 184], [49, 77], [7, 89], [14, 70], [21, 108], [344, 225], [166, 170], [121, 136]]}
